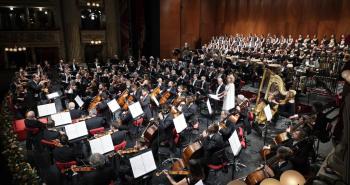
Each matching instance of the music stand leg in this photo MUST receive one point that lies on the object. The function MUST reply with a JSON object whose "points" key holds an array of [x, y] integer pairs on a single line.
{"points": [[265, 134]]}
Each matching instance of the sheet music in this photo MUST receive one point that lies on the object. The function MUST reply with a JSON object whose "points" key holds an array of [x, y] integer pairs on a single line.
{"points": [[61, 118], [135, 109], [235, 143], [200, 182], [113, 105], [102, 144], [76, 130], [210, 110], [79, 101], [137, 166], [267, 111], [148, 161], [155, 100], [47, 109], [52, 95], [180, 123], [142, 164], [214, 96]]}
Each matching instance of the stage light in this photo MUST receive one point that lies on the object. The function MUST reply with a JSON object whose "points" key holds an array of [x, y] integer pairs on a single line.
{"points": [[88, 4], [11, 8], [40, 9], [6, 49]]}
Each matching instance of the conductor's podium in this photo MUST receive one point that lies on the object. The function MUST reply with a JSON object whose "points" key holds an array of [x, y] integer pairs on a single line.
{"points": [[20, 128]]}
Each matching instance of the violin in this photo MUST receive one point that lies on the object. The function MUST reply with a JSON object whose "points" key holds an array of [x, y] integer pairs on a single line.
{"points": [[170, 172]]}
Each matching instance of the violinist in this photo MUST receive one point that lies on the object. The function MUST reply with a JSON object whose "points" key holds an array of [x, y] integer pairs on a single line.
{"points": [[196, 174], [34, 135], [101, 172], [67, 152]]}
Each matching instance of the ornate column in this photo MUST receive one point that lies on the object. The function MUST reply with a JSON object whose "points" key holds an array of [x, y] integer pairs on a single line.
{"points": [[71, 27], [112, 27]]}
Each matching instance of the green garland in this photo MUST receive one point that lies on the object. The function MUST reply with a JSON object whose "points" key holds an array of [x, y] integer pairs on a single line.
{"points": [[22, 172]]}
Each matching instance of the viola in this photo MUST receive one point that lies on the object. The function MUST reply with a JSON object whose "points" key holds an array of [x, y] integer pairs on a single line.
{"points": [[170, 172]]}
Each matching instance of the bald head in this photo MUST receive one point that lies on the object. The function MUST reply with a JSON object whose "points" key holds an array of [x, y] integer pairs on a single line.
{"points": [[30, 115], [71, 105]]}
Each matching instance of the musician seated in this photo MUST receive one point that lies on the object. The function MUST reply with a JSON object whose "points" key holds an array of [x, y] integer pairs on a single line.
{"points": [[118, 136], [227, 128], [283, 163], [66, 152], [301, 146], [196, 174], [213, 142], [74, 113], [102, 172], [50, 133], [102, 108], [34, 130], [190, 111]]}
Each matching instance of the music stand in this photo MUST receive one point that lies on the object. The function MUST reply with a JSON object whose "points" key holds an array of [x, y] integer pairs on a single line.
{"points": [[236, 147], [268, 114]]}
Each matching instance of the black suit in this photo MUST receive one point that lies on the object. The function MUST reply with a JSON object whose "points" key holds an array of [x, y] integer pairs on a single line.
{"points": [[100, 176], [278, 169], [33, 138], [146, 107], [75, 113], [118, 137], [191, 113], [103, 110], [33, 93], [64, 154], [211, 145], [227, 132]]}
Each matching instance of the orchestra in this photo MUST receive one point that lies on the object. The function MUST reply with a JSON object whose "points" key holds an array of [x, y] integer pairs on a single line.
{"points": [[166, 89]]}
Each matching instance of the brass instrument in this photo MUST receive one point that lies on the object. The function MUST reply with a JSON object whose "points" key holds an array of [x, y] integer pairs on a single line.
{"points": [[273, 79]]}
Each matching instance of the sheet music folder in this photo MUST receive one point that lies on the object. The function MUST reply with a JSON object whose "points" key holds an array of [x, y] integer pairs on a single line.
{"points": [[235, 144], [47, 109], [76, 130], [102, 144], [142, 164]]}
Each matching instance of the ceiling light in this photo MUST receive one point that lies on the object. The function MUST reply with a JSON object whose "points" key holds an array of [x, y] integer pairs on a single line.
{"points": [[40, 9], [46, 12], [11, 8], [88, 4]]}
